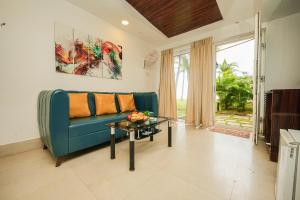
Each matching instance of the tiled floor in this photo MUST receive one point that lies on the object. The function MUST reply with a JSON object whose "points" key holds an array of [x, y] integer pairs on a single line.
{"points": [[200, 165]]}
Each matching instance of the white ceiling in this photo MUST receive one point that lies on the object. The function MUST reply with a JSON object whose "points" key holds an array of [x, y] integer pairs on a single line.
{"points": [[114, 11]]}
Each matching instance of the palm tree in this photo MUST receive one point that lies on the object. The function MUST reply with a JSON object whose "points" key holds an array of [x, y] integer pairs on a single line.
{"points": [[184, 65], [232, 90], [177, 61], [228, 68], [225, 81]]}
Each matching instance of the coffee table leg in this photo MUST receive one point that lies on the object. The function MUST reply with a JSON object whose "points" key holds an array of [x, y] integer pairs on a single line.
{"points": [[112, 143], [169, 133], [151, 138], [131, 151]]}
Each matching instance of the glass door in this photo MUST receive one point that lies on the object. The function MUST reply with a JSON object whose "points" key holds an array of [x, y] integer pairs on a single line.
{"points": [[234, 87], [181, 69]]}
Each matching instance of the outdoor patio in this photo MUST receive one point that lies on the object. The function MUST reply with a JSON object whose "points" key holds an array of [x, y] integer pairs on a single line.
{"points": [[230, 122], [244, 122], [233, 124]]}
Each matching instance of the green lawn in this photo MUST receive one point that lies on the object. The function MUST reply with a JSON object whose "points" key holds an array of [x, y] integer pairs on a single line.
{"points": [[181, 108], [229, 118]]}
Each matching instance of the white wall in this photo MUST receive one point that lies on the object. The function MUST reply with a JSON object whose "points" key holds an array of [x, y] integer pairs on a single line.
{"points": [[28, 63], [283, 53]]}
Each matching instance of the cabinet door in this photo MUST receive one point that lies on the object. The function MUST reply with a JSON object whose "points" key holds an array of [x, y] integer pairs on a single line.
{"points": [[298, 179]]}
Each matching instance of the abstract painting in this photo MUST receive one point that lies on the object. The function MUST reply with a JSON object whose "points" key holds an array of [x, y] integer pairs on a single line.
{"points": [[64, 49], [112, 60], [83, 54], [95, 57]]}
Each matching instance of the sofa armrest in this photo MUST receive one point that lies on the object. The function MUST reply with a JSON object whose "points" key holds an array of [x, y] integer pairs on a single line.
{"points": [[53, 119], [155, 104], [59, 122], [146, 101]]}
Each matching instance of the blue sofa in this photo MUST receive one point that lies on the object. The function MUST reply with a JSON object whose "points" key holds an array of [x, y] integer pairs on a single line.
{"points": [[62, 135]]}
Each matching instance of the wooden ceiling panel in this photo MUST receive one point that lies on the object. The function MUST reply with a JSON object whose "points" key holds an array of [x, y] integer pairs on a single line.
{"points": [[173, 17]]}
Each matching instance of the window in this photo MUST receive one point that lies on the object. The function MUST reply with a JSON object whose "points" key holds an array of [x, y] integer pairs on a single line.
{"points": [[181, 68]]}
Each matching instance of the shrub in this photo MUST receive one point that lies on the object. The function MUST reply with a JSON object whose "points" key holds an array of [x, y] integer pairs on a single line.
{"points": [[233, 91]]}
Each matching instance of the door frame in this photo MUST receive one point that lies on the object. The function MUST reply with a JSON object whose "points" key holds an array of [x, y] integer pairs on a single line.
{"points": [[257, 87]]}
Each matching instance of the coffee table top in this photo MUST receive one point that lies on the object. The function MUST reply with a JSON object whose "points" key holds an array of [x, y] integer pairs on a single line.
{"points": [[130, 126]]}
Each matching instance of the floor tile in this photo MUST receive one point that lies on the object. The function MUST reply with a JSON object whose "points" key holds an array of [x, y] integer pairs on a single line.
{"points": [[199, 165]]}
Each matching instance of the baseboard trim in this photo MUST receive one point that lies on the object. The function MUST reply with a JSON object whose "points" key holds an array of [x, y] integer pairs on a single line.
{"points": [[20, 147]]}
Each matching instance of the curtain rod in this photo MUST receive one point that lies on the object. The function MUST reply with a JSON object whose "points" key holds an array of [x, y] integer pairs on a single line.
{"points": [[181, 54]]}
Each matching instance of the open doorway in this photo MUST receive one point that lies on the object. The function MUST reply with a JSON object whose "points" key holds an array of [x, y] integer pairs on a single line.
{"points": [[234, 87], [181, 69]]}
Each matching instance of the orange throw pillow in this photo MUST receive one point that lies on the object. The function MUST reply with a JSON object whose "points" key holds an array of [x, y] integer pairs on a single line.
{"points": [[78, 105], [126, 102], [105, 104]]}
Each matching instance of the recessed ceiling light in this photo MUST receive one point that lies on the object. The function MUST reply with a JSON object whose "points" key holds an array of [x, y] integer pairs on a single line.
{"points": [[125, 22]]}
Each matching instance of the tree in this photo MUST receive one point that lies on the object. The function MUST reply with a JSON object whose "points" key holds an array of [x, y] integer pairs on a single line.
{"points": [[177, 61], [225, 80], [227, 68], [243, 92], [233, 91], [184, 68], [183, 65]]}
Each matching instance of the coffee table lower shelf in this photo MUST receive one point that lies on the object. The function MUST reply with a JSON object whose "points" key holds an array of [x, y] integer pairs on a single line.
{"points": [[135, 134]]}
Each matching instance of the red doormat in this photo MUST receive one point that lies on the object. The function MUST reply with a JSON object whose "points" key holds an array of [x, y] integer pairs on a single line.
{"points": [[230, 131]]}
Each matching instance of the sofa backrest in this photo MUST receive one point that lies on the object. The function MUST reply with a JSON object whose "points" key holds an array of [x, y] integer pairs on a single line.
{"points": [[144, 101]]}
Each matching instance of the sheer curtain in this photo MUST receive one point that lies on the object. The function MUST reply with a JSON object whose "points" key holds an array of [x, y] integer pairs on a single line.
{"points": [[167, 90], [200, 93]]}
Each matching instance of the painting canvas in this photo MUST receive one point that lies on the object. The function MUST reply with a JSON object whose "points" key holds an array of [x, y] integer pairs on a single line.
{"points": [[64, 48], [95, 56], [112, 60], [82, 54]]}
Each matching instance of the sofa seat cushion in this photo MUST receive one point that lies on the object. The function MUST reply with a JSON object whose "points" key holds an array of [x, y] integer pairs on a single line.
{"points": [[86, 125]]}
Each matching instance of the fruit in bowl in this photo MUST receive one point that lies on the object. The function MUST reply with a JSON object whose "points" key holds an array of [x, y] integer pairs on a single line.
{"points": [[137, 117]]}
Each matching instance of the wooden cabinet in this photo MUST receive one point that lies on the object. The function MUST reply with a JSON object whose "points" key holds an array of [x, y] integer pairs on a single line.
{"points": [[282, 111], [267, 121]]}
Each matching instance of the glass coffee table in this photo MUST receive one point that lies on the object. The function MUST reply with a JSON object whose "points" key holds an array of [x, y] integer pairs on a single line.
{"points": [[138, 131]]}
